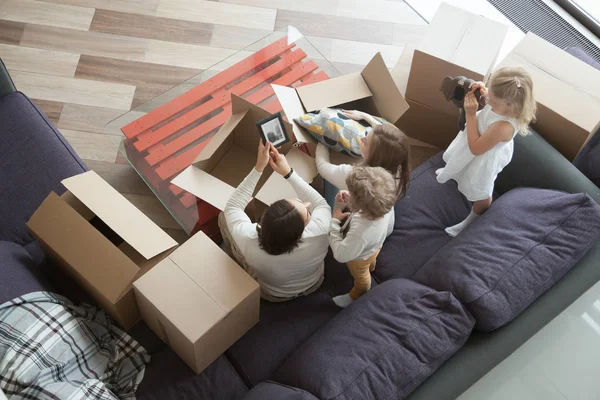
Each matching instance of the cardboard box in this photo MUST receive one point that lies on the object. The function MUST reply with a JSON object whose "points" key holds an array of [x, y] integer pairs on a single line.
{"points": [[567, 91], [199, 301], [428, 125], [456, 43], [230, 156], [102, 240], [372, 90]]}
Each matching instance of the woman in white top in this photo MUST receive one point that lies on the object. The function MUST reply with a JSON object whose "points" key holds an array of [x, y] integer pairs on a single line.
{"points": [[285, 251], [480, 151]]}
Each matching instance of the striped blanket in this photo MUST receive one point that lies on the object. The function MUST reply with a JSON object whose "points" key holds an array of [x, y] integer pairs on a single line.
{"points": [[52, 349]]}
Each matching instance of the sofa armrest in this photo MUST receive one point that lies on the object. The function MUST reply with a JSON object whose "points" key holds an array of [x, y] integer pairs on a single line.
{"points": [[536, 163], [6, 84]]}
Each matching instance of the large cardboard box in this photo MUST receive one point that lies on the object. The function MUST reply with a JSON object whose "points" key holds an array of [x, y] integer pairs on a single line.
{"points": [[456, 43], [102, 240], [230, 156], [199, 301], [372, 90], [567, 91]]}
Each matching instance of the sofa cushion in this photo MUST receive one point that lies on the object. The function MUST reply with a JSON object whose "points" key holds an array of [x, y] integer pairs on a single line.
{"points": [[282, 327], [167, 377], [523, 244], [421, 217], [17, 276], [276, 391], [34, 158], [382, 346]]}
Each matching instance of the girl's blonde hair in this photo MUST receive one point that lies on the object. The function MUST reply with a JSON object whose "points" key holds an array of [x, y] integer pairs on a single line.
{"points": [[372, 191], [514, 86], [390, 149]]}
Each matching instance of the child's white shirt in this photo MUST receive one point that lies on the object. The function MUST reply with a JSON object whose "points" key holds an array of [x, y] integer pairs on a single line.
{"points": [[476, 175], [363, 239]]}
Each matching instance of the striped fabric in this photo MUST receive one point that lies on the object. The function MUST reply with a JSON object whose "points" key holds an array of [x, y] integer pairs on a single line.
{"points": [[52, 349]]}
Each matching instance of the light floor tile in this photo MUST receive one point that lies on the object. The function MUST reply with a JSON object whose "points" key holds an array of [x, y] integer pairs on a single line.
{"points": [[18, 58], [360, 53], [324, 7], [379, 10], [71, 90], [91, 146], [40, 12], [218, 13], [185, 55], [146, 7]]}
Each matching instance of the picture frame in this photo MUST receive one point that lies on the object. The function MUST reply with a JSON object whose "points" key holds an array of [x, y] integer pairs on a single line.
{"points": [[272, 130]]}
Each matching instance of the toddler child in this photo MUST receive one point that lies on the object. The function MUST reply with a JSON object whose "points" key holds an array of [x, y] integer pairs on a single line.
{"points": [[369, 216], [485, 146]]}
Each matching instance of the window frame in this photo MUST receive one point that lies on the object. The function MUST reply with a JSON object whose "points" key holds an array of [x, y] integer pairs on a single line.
{"points": [[577, 12]]}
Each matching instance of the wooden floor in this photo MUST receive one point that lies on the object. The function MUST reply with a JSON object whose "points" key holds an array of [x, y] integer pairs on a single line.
{"points": [[86, 62]]}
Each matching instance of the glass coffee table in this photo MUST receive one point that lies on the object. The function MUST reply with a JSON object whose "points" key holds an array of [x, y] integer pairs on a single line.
{"points": [[163, 137]]}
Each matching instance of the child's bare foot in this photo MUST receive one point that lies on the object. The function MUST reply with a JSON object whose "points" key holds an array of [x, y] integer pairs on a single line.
{"points": [[438, 171]]}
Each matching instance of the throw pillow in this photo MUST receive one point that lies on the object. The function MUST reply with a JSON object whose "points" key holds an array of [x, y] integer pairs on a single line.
{"points": [[335, 130], [382, 346], [523, 244]]}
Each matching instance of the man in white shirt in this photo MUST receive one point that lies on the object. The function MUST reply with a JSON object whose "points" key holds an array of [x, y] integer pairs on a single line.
{"points": [[285, 251]]}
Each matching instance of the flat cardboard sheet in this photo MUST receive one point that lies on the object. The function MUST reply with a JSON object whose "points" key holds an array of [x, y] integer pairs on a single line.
{"points": [[332, 92], [119, 214], [196, 181]]}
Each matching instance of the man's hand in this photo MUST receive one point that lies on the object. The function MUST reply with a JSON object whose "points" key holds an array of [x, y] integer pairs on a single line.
{"points": [[277, 161], [262, 158], [470, 104]]}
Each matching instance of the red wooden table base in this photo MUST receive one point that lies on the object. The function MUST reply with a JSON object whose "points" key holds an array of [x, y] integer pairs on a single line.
{"points": [[165, 141]]}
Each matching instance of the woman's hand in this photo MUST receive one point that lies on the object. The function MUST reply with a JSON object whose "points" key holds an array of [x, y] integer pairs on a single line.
{"points": [[263, 156], [471, 104], [355, 114], [343, 196], [479, 85], [277, 161]]}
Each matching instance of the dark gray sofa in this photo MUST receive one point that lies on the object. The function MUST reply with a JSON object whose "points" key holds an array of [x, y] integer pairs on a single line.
{"points": [[35, 157]]}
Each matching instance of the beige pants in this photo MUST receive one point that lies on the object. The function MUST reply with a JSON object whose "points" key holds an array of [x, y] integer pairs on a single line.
{"points": [[361, 272], [234, 252]]}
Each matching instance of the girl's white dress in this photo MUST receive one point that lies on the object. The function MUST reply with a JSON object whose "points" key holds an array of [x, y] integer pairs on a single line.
{"points": [[475, 175]]}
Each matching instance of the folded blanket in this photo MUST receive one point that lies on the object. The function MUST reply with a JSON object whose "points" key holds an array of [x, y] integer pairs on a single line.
{"points": [[52, 349]]}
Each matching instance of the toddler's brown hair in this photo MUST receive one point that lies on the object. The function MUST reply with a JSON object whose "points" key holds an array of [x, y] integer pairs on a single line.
{"points": [[372, 190]]}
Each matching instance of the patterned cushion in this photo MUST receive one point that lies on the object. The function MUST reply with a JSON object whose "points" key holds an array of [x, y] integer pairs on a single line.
{"points": [[335, 130]]}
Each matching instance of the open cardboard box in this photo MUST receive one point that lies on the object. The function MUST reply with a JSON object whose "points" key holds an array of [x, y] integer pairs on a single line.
{"points": [[102, 240], [231, 155], [567, 91], [198, 301], [456, 43], [372, 90]]}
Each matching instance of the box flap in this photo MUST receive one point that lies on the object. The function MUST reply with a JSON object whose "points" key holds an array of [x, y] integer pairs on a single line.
{"points": [[119, 214], [292, 107], [277, 188], [220, 137], [333, 92], [205, 186], [559, 64], [463, 38], [214, 271], [186, 305], [90, 257], [386, 94]]}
